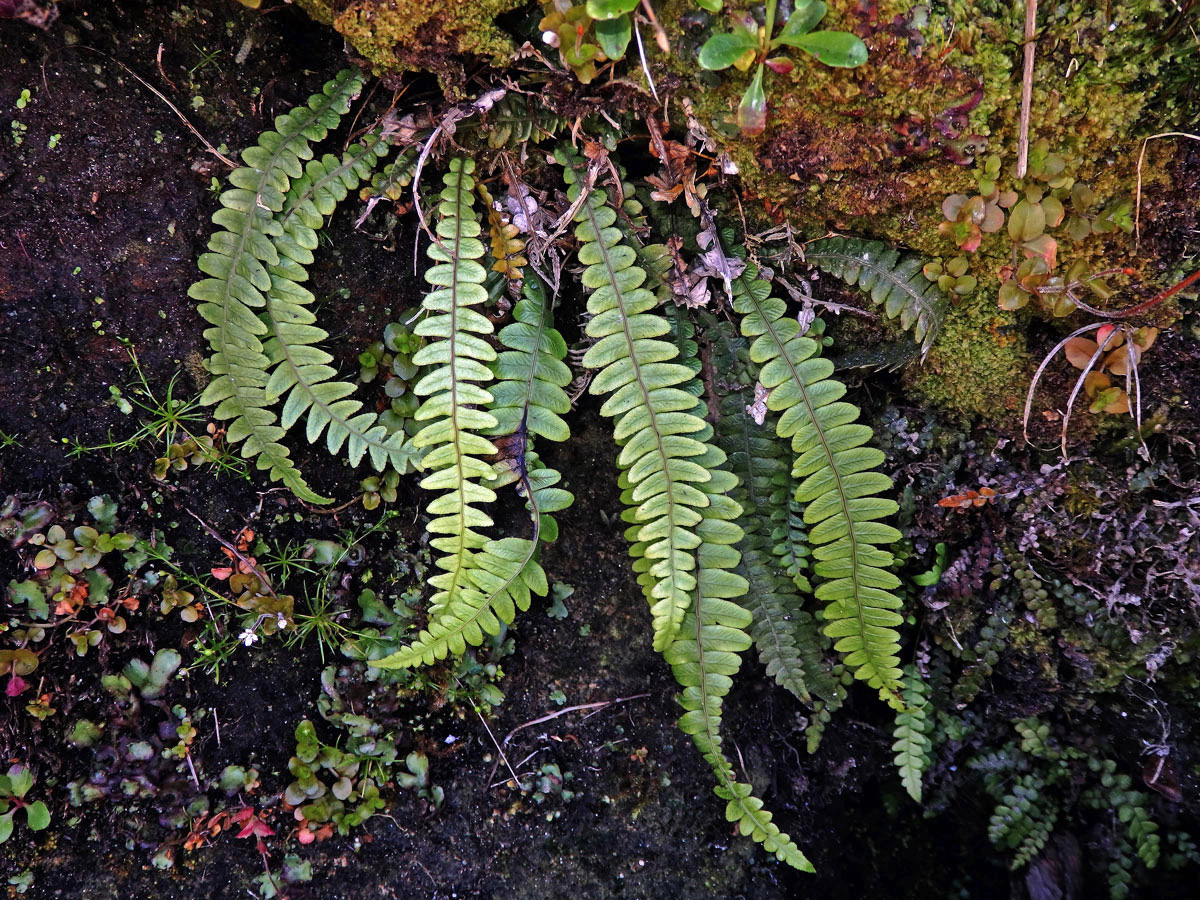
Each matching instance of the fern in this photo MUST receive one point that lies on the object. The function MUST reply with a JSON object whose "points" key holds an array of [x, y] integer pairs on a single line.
{"points": [[302, 372], [483, 581], [837, 486], [246, 268], [682, 521], [784, 634], [912, 744], [892, 278]]}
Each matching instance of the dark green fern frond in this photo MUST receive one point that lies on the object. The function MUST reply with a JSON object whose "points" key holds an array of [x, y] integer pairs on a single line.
{"points": [[837, 486], [241, 264], [789, 540], [786, 636], [515, 121], [892, 278], [486, 581]]}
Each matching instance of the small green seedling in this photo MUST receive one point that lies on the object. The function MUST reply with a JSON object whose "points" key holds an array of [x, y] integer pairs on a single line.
{"points": [[748, 42], [13, 788]]}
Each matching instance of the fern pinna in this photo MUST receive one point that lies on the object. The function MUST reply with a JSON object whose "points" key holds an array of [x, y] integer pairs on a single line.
{"points": [[837, 484], [484, 581], [682, 521], [262, 333]]}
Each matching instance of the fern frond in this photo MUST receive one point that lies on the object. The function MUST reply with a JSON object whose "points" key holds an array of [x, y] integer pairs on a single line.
{"points": [[706, 656], [892, 278], [302, 372], [913, 745], [239, 263], [676, 490], [526, 399], [392, 179], [837, 486], [783, 633], [660, 434], [513, 122]]}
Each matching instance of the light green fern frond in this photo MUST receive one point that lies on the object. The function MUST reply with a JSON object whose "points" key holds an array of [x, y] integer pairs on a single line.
{"points": [[706, 655], [302, 371], [654, 419], [240, 265], [837, 486], [892, 278], [487, 581], [913, 745]]}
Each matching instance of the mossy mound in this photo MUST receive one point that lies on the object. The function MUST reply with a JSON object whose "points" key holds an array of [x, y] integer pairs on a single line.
{"points": [[418, 35]]}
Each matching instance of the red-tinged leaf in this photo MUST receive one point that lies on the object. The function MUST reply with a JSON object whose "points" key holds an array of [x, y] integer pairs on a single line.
{"points": [[1117, 361], [952, 205], [1080, 351], [1043, 247], [780, 65], [752, 111], [1104, 337], [16, 684], [1011, 296], [221, 573], [1159, 774]]}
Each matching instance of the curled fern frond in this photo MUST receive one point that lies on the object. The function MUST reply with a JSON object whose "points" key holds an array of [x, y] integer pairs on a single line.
{"points": [[242, 265], [892, 278], [913, 745], [837, 486], [301, 371]]}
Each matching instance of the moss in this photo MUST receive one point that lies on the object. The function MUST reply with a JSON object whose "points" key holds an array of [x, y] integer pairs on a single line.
{"points": [[418, 35], [979, 365], [876, 149]]}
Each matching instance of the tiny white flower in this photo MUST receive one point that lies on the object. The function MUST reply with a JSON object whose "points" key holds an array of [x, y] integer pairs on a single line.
{"points": [[248, 637], [281, 622]]}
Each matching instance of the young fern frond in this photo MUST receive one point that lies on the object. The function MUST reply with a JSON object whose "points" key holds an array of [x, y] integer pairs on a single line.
{"points": [[892, 278], [913, 745], [487, 581], [837, 486], [241, 267], [392, 179]]}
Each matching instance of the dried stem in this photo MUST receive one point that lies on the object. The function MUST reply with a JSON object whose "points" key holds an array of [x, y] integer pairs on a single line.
{"points": [[1026, 88]]}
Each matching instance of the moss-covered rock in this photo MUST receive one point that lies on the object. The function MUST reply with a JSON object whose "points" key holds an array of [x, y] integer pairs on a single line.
{"points": [[418, 35]]}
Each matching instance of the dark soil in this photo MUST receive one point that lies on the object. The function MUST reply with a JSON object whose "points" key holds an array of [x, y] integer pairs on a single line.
{"points": [[98, 240]]}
